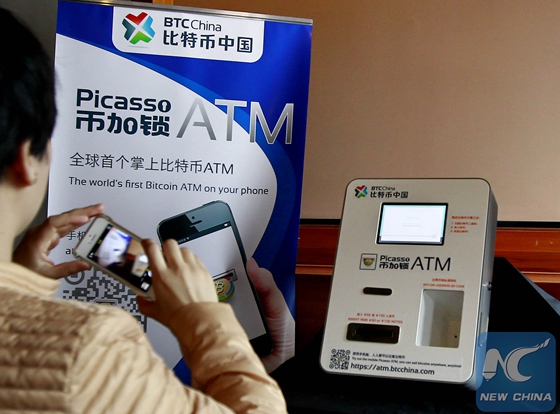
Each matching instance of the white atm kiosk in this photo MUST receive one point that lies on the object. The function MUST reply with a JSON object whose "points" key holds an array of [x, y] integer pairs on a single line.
{"points": [[411, 284]]}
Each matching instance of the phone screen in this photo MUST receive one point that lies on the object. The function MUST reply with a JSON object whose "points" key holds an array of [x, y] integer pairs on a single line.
{"points": [[218, 249], [123, 255]]}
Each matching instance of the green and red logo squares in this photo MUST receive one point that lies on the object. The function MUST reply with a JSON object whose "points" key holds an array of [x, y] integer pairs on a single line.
{"points": [[361, 191], [138, 28]]}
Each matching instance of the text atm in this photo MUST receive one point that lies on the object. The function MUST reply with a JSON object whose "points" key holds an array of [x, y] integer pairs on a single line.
{"points": [[411, 284]]}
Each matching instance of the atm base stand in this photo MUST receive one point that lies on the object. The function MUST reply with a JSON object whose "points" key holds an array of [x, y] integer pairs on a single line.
{"points": [[517, 305]]}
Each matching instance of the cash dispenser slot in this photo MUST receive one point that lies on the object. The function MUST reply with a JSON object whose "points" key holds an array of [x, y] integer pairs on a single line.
{"points": [[440, 318], [364, 332]]}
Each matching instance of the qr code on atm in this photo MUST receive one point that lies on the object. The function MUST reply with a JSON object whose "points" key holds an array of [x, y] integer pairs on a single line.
{"points": [[340, 359], [95, 286]]}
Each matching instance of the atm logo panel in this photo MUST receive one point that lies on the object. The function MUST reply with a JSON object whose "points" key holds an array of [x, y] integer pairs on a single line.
{"points": [[373, 261], [368, 261]]}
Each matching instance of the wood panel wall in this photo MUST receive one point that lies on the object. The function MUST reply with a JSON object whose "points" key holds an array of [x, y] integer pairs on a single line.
{"points": [[534, 251]]}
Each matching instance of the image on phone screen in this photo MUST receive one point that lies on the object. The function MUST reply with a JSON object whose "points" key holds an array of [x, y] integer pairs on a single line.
{"points": [[215, 250], [121, 254]]}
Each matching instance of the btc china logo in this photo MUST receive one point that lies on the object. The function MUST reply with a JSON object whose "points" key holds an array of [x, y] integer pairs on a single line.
{"points": [[138, 28], [361, 191]]}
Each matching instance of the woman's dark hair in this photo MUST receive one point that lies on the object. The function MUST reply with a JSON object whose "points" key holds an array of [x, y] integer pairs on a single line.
{"points": [[27, 101]]}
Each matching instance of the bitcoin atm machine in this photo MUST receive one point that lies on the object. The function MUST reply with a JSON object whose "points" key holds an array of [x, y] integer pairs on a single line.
{"points": [[411, 284]]}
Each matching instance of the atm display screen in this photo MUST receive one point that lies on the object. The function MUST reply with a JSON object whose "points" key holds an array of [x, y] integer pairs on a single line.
{"points": [[401, 223]]}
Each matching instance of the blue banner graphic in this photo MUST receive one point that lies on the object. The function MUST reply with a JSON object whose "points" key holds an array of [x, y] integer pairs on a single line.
{"points": [[167, 111]]}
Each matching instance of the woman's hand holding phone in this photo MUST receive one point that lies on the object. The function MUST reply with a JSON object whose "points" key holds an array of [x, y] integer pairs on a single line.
{"points": [[280, 319], [178, 279], [34, 249]]}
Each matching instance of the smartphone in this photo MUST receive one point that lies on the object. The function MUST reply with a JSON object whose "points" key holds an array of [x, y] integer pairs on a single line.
{"points": [[118, 253], [210, 232]]}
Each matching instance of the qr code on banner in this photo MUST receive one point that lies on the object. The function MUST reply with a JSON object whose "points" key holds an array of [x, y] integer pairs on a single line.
{"points": [[95, 286], [340, 359]]}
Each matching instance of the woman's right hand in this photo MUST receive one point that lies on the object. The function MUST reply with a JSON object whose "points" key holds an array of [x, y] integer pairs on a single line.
{"points": [[179, 278]]}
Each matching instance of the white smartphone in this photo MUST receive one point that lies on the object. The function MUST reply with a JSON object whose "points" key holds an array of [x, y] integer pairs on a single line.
{"points": [[118, 253]]}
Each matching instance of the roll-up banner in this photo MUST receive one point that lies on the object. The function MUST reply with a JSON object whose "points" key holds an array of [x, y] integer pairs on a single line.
{"points": [[187, 124]]}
